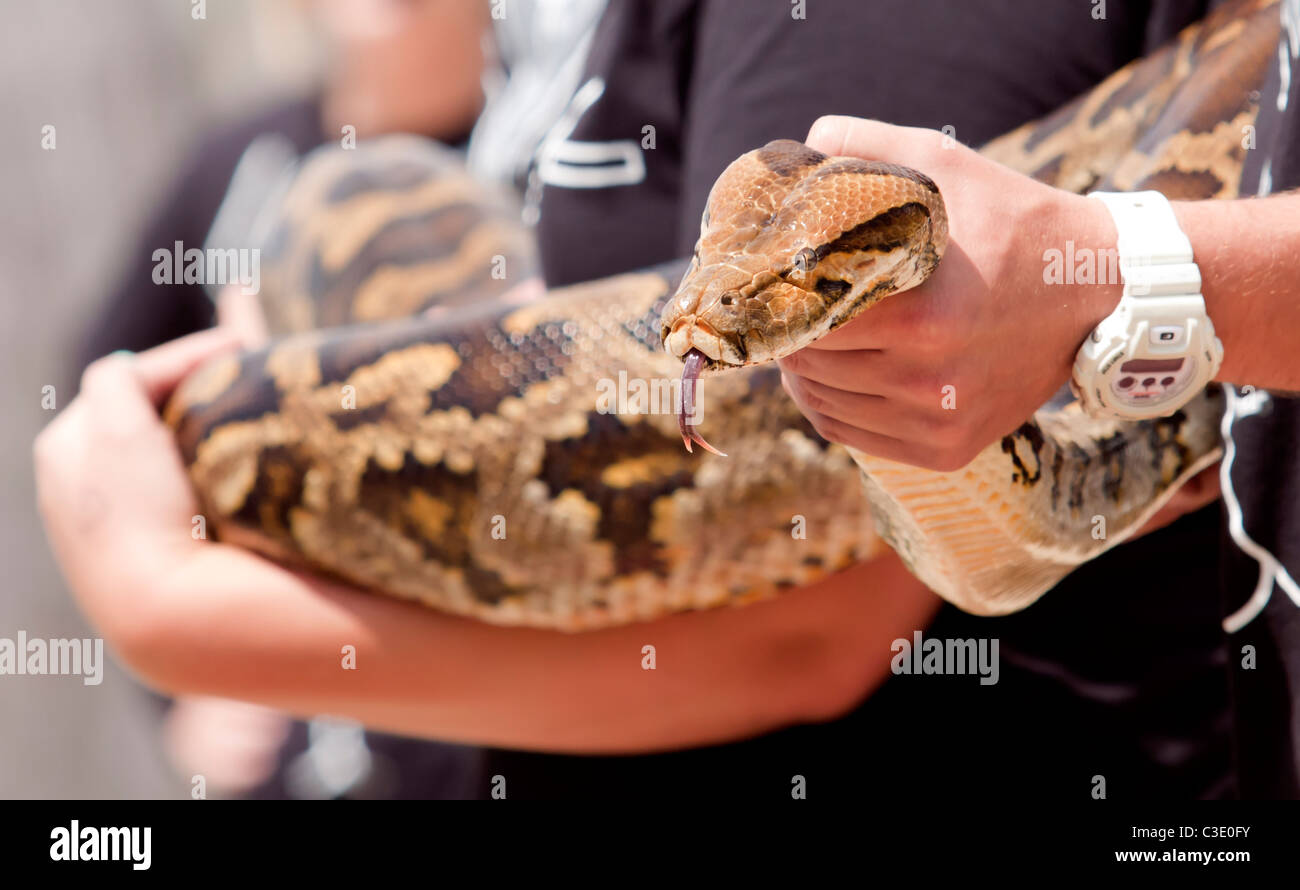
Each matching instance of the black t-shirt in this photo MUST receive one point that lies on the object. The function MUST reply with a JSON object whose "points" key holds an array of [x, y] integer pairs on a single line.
{"points": [[716, 78], [1262, 500], [1117, 672]]}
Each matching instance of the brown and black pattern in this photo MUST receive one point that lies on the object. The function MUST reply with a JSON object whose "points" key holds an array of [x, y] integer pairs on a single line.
{"points": [[418, 431], [390, 229], [1174, 121], [490, 411]]}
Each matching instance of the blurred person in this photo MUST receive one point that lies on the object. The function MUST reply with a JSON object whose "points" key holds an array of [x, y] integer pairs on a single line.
{"points": [[390, 66], [542, 46], [414, 66]]}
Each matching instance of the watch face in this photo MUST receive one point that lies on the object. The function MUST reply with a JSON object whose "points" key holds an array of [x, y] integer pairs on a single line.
{"points": [[1148, 382]]}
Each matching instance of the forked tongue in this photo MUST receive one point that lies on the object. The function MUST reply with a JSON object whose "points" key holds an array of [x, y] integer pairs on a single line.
{"points": [[694, 363]]}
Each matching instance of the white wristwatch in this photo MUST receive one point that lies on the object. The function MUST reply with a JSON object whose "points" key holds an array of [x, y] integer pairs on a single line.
{"points": [[1157, 350]]}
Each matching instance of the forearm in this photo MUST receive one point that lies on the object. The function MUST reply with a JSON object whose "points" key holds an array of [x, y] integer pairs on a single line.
{"points": [[227, 623], [1248, 252], [1249, 255]]}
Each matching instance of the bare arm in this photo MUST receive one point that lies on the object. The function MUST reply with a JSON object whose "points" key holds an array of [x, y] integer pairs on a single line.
{"points": [[228, 623], [1249, 254], [199, 617]]}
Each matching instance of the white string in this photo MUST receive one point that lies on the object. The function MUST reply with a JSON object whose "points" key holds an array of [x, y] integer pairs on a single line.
{"points": [[1271, 570]]}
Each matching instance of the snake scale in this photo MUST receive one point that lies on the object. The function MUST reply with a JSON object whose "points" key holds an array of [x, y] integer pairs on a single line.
{"points": [[420, 428]]}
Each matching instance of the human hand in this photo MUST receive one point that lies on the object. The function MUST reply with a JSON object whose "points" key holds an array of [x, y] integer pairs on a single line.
{"points": [[111, 486], [986, 323]]}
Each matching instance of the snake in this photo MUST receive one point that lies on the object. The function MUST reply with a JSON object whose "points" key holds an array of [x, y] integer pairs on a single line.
{"points": [[424, 425]]}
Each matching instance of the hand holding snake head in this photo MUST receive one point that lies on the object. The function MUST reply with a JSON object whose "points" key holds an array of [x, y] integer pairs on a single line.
{"points": [[793, 244], [839, 234]]}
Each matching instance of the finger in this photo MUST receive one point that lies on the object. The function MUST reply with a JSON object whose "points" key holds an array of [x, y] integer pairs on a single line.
{"points": [[830, 134], [114, 398], [123, 391], [858, 371], [851, 407], [129, 458], [836, 134], [838, 431], [869, 372], [870, 413], [161, 368], [57, 447]]}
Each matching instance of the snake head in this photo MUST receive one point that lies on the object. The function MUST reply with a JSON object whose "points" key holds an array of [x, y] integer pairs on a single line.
{"points": [[717, 320], [720, 310], [792, 245]]}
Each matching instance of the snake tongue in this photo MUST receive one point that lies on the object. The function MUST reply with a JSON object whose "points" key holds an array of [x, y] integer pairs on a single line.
{"points": [[694, 363]]}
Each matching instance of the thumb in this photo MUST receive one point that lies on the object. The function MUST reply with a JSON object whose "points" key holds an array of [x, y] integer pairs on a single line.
{"points": [[836, 134]]}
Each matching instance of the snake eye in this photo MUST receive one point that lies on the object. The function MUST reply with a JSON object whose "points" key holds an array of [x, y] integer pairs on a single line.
{"points": [[805, 260]]}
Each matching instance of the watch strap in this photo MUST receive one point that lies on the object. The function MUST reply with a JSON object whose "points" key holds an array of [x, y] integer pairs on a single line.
{"points": [[1155, 256]]}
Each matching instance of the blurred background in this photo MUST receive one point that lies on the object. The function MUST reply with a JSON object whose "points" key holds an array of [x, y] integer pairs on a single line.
{"points": [[153, 102]]}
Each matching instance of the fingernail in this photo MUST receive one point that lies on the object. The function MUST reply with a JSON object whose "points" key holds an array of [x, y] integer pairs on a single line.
{"points": [[122, 352]]}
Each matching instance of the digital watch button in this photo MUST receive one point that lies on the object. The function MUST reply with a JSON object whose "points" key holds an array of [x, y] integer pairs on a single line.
{"points": [[1167, 335], [1147, 381]]}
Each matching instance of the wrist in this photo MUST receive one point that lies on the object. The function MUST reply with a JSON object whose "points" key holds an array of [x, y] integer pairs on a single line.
{"points": [[1158, 350], [1204, 223], [1081, 283], [1098, 284]]}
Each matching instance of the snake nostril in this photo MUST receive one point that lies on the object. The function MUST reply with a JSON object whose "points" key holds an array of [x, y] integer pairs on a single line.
{"points": [[727, 299]]}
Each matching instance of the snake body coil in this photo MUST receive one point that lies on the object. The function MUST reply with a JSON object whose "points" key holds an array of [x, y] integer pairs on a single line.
{"points": [[422, 430]]}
